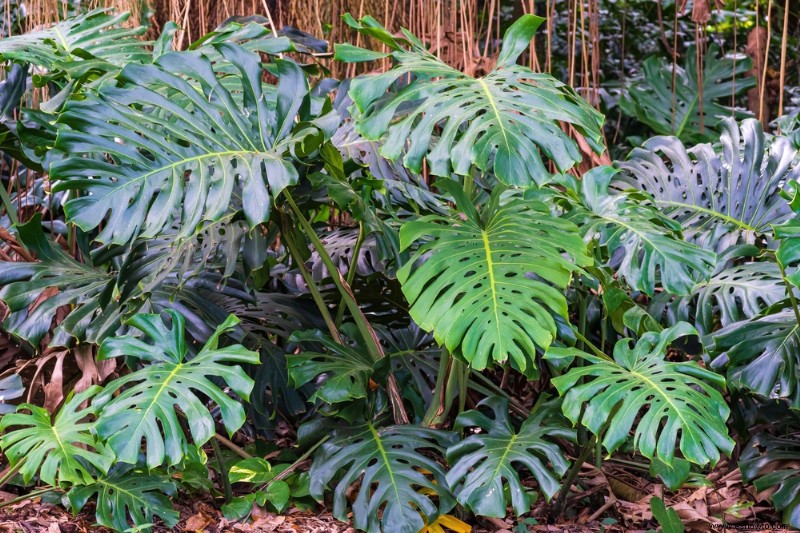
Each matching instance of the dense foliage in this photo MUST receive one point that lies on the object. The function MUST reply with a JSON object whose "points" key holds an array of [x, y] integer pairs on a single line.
{"points": [[231, 241]]}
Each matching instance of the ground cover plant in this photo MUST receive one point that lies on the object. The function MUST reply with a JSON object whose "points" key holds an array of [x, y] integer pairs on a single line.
{"points": [[412, 273]]}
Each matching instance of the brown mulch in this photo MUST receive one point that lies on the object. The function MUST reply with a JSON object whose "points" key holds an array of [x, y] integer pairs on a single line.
{"points": [[613, 500]]}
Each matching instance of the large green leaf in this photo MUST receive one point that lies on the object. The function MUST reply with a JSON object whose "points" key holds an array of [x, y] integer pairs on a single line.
{"points": [[393, 472], [483, 464], [346, 369], [761, 354], [489, 282], [720, 197], [172, 140], [62, 449], [676, 403], [149, 398], [34, 292], [92, 42], [643, 244], [650, 97], [771, 462], [737, 293], [498, 123], [128, 497]]}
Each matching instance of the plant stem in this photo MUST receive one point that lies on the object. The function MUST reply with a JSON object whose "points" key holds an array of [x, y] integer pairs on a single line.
{"points": [[351, 272], [232, 447], [438, 406], [28, 496], [11, 472], [790, 292], [223, 471], [592, 347], [558, 508], [370, 338], [294, 465], [312, 287], [9, 205]]}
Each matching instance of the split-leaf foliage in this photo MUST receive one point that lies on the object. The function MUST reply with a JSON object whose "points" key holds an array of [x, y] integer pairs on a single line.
{"points": [[189, 239]]}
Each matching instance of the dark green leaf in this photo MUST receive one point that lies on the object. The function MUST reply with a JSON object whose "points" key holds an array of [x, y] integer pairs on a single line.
{"points": [[484, 463], [389, 464], [498, 123], [150, 397]]}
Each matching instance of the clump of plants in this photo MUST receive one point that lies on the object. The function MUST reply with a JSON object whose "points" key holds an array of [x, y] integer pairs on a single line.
{"points": [[225, 243]]}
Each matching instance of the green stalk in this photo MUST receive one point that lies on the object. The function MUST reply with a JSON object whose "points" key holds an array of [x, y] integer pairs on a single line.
{"points": [[351, 273], [368, 334], [9, 205], [312, 287], [558, 508], [790, 292], [12, 471], [294, 465], [434, 417], [223, 471], [26, 497]]}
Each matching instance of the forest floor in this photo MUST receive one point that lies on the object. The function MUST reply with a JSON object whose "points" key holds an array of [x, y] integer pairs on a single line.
{"points": [[614, 500]]}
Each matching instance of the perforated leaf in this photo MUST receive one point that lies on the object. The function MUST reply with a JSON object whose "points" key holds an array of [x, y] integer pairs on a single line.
{"points": [[682, 113], [498, 123], [667, 404], [761, 354], [644, 246], [128, 497], [489, 283], [173, 139], [720, 197], [398, 478]]}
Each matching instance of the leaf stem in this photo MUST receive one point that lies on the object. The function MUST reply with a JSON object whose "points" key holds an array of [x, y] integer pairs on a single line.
{"points": [[790, 292], [351, 272], [367, 332], [232, 447], [587, 450], [294, 465], [11, 472], [28, 496], [223, 471]]}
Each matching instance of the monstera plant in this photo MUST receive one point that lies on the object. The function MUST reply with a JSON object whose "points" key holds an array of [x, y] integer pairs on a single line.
{"points": [[236, 245]]}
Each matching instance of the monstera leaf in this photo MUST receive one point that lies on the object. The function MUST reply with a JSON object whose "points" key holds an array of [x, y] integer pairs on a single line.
{"points": [[761, 354], [395, 476], [347, 369], [676, 402], [62, 450], [696, 107], [128, 497], [10, 387], [720, 198], [484, 460], [94, 41], [149, 398], [771, 462], [737, 293], [489, 283], [34, 292], [172, 138], [498, 123], [642, 243]]}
